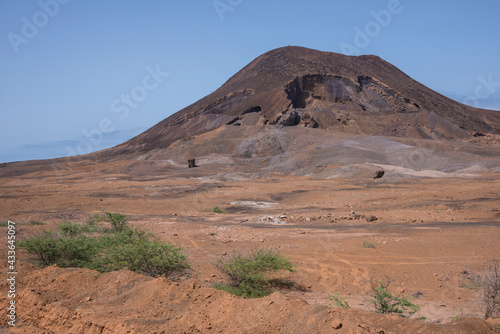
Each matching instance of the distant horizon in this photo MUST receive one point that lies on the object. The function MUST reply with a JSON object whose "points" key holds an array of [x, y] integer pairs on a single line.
{"points": [[66, 80]]}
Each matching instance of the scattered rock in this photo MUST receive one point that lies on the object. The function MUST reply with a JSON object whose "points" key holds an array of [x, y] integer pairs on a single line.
{"points": [[336, 324], [370, 218], [378, 174], [308, 121], [272, 220], [289, 118]]}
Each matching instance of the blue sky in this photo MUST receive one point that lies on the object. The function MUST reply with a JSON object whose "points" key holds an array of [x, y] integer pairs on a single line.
{"points": [[79, 76]]}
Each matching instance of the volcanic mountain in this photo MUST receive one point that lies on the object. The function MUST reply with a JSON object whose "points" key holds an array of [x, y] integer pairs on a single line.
{"points": [[307, 112], [300, 87]]}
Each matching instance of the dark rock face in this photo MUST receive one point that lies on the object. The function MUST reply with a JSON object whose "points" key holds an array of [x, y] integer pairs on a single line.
{"points": [[308, 121], [302, 90], [366, 93], [290, 118], [378, 174]]}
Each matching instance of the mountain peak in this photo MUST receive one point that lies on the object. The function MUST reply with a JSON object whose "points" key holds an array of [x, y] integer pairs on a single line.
{"points": [[297, 86]]}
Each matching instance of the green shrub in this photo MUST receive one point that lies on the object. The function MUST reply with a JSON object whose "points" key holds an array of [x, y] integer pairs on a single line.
{"points": [[118, 221], [77, 251], [45, 246], [218, 210], [385, 302], [246, 289], [367, 244], [35, 222], [339, 301], [4, 223], [141, 252], [250, 274], [135, 250], [74, 229], [70, 229], [94, 219], [65, 251]]}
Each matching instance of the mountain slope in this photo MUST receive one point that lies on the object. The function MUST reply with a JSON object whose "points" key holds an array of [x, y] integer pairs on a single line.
{"points": [[295, 86]]}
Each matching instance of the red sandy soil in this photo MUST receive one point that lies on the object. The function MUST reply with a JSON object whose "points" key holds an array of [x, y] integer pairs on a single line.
{"points": [[427, 232]]}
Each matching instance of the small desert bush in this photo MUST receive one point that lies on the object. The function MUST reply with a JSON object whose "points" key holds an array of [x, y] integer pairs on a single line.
{"points": [[490, 279], [141, 252], [339, 301], [386, 303], [54, 248], [76, 245], [487, 283], [118, 221], [4, 223], [250, 273], [70, 229], [44, 246], [35, 222], [94, 219], [74, 229], [218, 210], [367, 244]]}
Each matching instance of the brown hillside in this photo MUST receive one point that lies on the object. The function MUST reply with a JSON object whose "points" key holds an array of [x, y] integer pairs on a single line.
{"points": [[295, 86]]}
